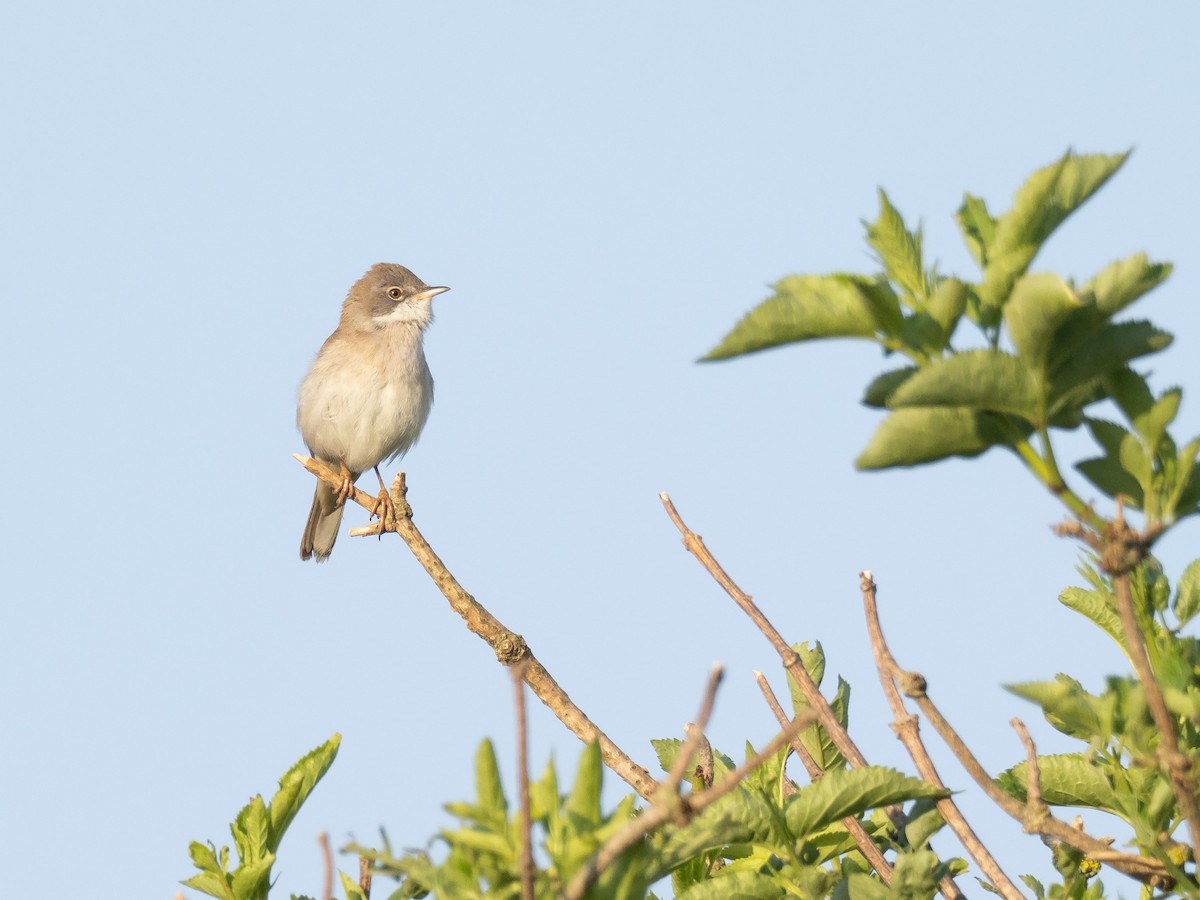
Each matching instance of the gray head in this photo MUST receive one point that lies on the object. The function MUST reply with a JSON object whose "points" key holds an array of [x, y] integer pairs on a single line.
{"points": [[388, 294]]}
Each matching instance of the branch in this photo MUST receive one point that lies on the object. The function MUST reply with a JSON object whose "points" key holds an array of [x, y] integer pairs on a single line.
{"points": [[509, 647], [791, 660], [907, 730], [670, 804], [1142, 868]]}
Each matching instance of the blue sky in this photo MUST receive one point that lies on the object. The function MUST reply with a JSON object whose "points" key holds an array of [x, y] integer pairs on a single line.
{"points": [[189, 191]]}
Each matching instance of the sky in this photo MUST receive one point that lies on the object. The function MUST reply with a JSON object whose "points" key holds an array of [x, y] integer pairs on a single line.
{"points": [[190, 190]]}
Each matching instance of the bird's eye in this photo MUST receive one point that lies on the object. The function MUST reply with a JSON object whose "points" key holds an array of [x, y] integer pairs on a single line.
{"points": [[395, 293]]}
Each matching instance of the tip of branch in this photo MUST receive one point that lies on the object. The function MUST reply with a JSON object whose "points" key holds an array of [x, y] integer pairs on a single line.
{"points": [[300, 458]]}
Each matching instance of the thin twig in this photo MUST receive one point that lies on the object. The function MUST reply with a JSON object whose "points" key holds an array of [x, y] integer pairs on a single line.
{"points": [[907, 730], [527, 869], [327, 857], [364, 876], [1033, 776], [508, 646], [1178, 767], [693, 735], [791, 660], [1142, 868], [854, 827]]}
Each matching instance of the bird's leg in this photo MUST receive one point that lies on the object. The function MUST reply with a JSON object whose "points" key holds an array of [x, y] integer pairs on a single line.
{"points": [[383, 504], [346, 488]]}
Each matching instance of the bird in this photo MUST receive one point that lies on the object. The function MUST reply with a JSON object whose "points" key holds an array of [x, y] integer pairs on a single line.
{"points": [[368, 393]]}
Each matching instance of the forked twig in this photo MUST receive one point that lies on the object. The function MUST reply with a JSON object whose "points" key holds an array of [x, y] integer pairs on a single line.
{"points": [[907, 730], [1142, 868], [791, 660]]}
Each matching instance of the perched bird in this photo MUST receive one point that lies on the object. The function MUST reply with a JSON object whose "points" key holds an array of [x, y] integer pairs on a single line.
{"points": [[367, 395]]}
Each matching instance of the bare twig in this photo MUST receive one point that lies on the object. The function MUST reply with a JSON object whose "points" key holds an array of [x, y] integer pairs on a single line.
{"points": [[791, 660], [854, 827], [527, 870], [327, 858], [1144, 869], [364, 876], [693, 735], [508, 646], [1033, 777], [907, 730]]}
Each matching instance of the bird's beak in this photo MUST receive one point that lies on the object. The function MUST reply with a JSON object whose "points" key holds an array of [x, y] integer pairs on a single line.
{"points": [[429, 293]]}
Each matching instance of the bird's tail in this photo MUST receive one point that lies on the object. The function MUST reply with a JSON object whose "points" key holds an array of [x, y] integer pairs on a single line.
{"points": [[324, 519]]}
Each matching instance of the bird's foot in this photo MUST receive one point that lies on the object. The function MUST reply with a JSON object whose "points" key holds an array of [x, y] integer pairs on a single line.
{"points": [[346, 488], [384, 508]]}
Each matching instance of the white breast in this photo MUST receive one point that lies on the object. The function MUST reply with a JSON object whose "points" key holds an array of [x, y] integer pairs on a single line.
{"points": [[366, 397]]}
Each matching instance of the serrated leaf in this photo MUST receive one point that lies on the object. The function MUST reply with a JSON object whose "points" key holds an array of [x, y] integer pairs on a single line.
{"points": [[297, 784], [807, 307], [977, 227], [912, 437], [1111, 479], [981, 380], [898, 248], [1071, 779], [583, 803], [1046, 199], [252, 831], [1038, 305], [850, 792], [1104, 351], [211, 884], [880, 390], [741, 884], [489, 788], [948, 303], [1120, 283], [1187, 593], [1066, 706], [253, 879], [1099, 606], [914, 875], [350, 887]]}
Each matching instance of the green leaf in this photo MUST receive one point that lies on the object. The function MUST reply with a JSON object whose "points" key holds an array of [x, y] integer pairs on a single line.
{"points": [[977, 227], [1046, 199], [948, 303], [915, 875], [583, 803], [1187, 593], [741, 884], [1038, 306], [880, 391], [252, 831], [1121, 283], [350, 887], [1074, 779], [911, 437], [982, 380], [806, 307], [1104, 351], [899, 249], [850, 792], [296, 785], [1099, 606], [1066, 706], [489, 789]]}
